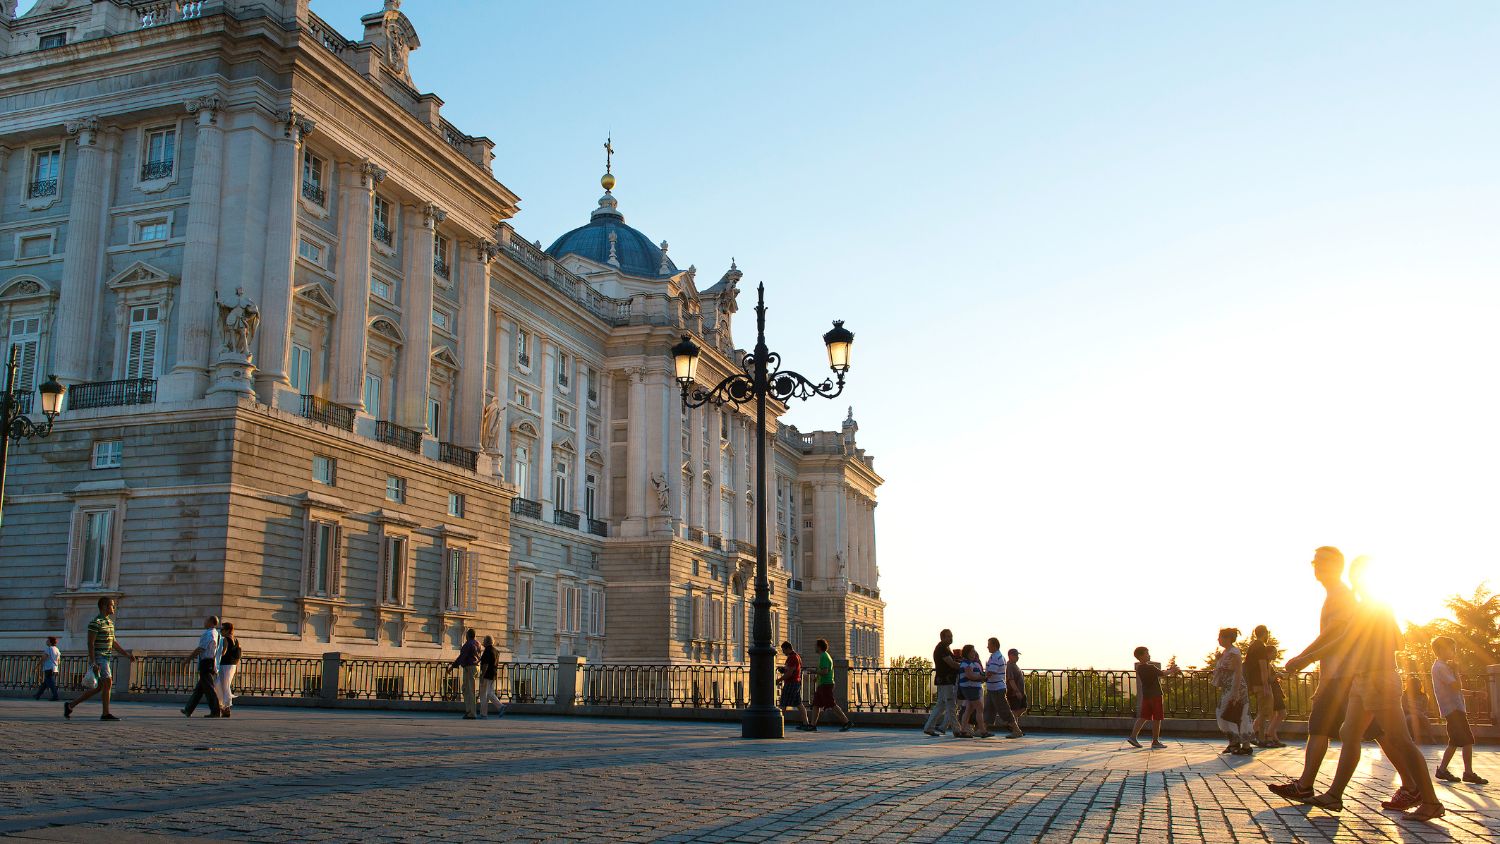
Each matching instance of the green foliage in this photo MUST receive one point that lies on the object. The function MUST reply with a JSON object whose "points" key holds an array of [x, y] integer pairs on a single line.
{"points": [[918, 662], [1474, 625]]}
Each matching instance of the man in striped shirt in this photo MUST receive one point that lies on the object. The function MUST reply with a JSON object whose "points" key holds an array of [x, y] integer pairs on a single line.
{"points": [[102, 649]]}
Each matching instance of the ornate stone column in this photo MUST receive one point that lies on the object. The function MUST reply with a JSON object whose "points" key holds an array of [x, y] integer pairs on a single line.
{"points": [[198, 290], [78, 298], [715, 471], [741, 427], [499, 388], [635, 456], [672, 458], [473, 337], [546, 360], [414, 372], [281, 260], [357, 196], [695, 469]]}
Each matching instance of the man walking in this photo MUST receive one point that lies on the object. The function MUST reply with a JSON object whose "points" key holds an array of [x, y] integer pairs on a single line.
{"points": [[1015, 689], [102, 649], [207, 655], [468, 660], [823, 697], [944, 680], [996, 708], [791, 685]]}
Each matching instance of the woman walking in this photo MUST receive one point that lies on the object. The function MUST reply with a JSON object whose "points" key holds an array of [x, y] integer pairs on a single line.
{"points": [[1233, 711], [489, 671], [229, 662], [50, 658], [970, 683]]}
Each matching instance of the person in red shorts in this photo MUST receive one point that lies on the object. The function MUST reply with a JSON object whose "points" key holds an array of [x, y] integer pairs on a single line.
{"points": [[823, 698], [1148, 676]]}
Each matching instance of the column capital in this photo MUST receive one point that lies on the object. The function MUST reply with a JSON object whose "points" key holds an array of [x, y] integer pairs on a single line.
{"points": [[485, 250], [371, 174], [295, 125], [432, 215], [207, 109], [84, 129]]}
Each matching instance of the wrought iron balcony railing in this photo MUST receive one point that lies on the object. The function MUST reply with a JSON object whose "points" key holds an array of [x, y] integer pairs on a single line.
{"points": [[403, 438], [599, 527], [322, 410], [715, 543], [155, 170], [40, 188], [440, 267], [313, 192], [381, 232], [562, 379], [523, 359], [526, 507], [112, 393], [468, 458], [564, 518], [21, 401]]}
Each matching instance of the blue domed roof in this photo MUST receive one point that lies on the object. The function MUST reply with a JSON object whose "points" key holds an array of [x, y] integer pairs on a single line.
{"points": [[635, 254]]}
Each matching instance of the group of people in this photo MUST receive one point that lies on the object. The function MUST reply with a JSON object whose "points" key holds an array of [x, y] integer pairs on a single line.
{"points": [[1245, 681], [973, 696], [790, 681], [1359, 694], [479, 663]]}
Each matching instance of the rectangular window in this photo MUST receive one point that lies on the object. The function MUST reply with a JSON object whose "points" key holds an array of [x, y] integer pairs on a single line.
{"points": [[434, 417], [98, 546], [564, 417], [372, 395], [395, 489], [380, 226], [560, 486], [149, 231], [52, 40], [441, 320], [596, 612], [590, 493], [564, 366], [523, 398], [440, 255], [45, 166], [521, 470], [325, 470], [312, 178], [726, 518], [593, 429], [140, 351], [301, 373], [311, 251], [456, 597], [591, 379], [322, 560], [35, 246], [571, 597], [524, 605], [393, 575], [161, 153], [108, 454], [523, 348], [380, 288], [456, 504], [26, 339]]}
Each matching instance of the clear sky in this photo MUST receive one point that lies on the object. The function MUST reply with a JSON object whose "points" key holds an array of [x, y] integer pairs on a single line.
{"points": [[1150, 299]]}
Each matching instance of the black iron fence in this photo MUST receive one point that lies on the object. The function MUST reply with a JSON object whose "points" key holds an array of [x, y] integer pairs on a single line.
{"points": [[564, 518], [112, 393], [526, 507], [156, 170], [313, 192], [467, 458], [41, 188], [404, 438], [322, 410], [599, 527]]}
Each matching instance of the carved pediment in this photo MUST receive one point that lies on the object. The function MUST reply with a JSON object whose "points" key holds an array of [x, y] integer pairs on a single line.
{"points": [[25, 287], [387, 329], [565, 444], [140, 274], [595, 457], [524, 428], [443, 356], [317, 296]]}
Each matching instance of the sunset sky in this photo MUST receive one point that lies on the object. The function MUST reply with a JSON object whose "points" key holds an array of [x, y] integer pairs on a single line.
{"points": [[1150, 299]]}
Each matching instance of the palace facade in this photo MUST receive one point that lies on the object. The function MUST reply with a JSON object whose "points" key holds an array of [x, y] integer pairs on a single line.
{"points": [[319, 386]]}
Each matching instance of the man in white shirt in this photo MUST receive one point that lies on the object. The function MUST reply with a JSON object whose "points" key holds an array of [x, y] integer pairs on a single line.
{"points": [[996, 708], [50, 658], [1449, 691], [207, 655]]}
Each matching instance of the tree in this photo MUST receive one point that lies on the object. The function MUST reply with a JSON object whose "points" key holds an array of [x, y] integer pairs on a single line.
{"points": [[1474, 625], [1244, 645], [917, 662]]}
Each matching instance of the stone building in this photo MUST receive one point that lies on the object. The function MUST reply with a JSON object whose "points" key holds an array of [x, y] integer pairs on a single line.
{"points": [[320, 386]]}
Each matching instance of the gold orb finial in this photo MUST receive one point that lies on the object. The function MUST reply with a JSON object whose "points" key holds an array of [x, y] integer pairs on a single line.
{"points": [[608, 181]]}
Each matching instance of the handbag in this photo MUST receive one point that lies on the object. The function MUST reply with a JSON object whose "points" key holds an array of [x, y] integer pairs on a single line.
{"points": [[90, 678]]}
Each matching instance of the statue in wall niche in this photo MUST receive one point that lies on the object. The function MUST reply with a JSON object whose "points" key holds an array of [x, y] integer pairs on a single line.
{"points": [[239, 318], [489, 425], [663, 492]]}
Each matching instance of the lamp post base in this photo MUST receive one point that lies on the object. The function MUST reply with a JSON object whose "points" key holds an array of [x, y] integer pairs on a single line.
{"points": [[762, 722]]}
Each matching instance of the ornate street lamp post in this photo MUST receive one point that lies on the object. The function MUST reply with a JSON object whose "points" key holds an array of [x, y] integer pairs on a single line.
{"points": [[762, 377], [15, 424]]}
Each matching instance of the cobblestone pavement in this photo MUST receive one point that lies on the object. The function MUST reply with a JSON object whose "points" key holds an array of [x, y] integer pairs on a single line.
{"points": [[320, 775]]}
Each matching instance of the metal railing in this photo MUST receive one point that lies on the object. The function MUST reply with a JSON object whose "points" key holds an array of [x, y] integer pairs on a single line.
{"points": [[467, 458], [425, 679], [403, 438], [599, 527], [715, 542], [523, 359], [381, 232], [24, 671], [41, 188], [440, 266], [22, 400], [155, 170], [565, 518], [112, 393], [322, 410], [526, 507], [697, 686], [313, 192]]}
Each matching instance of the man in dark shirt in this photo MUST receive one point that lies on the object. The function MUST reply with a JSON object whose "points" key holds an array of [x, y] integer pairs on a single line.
{"points": [[944, 680], [468, 660], [1265, 688]]}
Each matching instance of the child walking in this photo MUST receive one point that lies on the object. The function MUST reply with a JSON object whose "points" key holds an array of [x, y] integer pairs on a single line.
{"points": [[1148, 676], [1233, 711], [1450, 698]]}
